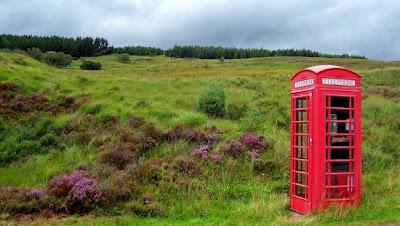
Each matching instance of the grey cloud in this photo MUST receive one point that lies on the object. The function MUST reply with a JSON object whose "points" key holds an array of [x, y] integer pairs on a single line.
{"points": [[366, 27]]}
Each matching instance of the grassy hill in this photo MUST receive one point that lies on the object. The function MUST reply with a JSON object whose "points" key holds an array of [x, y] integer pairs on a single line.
{"points": [[77, 116]]}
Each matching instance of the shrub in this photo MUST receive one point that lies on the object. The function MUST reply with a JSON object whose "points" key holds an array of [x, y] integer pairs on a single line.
{"points": [[236, 110], [124, 58], [127, 185], [150, 130], [212, 100], [22, 200], [253, 121], [187, 133], [120, 156], [90, 65], [32, 103], [86, 190], [8, 90], [252, 140], [35, 53], [57, 59], [143, 142], [76, 192], [149, 172], [232, 148], [148, 199], [61, 185], [261, 166], [212, 134], [135, 121], [187, 165]]}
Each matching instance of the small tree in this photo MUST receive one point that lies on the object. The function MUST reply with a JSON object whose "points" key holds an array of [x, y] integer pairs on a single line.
{"points": [[90, 65], [212, 100], [124, 58]]}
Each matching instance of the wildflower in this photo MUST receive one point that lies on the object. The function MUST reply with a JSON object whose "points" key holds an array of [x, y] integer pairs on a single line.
{"points": [[254, 154], [253, 140], [86, 189], [202, 152]]}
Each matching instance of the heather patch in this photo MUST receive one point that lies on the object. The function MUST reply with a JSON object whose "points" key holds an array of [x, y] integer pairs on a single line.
{"points": [[22, 200], [14, 102]]}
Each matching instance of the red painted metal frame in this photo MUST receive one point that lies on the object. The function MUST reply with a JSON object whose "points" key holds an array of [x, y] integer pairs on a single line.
{"points": [[320, 175]]}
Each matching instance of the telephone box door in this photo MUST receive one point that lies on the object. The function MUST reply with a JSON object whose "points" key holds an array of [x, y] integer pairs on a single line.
{"points": [[341, 146], [300, 167]]}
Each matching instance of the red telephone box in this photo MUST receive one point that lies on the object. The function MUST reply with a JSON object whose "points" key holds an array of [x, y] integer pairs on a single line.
{"points": [[325, 149]]}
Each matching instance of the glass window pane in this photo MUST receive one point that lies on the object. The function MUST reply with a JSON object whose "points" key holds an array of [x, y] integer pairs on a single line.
{"points": [[337, 167], [300, 191], [343, 102], [340, 153]]}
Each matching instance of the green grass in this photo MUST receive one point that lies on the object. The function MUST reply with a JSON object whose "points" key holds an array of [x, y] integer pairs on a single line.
{"points": [[165, 92]]}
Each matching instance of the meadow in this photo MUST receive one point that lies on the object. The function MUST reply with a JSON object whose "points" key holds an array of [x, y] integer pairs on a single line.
{"points": [[164, 91]]}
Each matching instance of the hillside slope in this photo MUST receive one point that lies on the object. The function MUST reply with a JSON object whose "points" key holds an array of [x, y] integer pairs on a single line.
{"points": [[87, 113]]}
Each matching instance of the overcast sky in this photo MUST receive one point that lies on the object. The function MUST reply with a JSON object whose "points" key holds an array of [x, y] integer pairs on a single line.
{"points": [[363, 27]]}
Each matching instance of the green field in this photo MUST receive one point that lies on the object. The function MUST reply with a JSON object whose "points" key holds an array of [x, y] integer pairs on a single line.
{"points": [[164, 91]]}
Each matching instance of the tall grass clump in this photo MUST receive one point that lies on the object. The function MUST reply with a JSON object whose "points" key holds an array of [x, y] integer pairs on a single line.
{"points": [[212, 100], [237, 110], [252, 121]]}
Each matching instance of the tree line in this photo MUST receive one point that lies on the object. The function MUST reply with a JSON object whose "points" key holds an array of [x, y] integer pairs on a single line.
{"points": [[76, 47], [87, 46], [139, 50], [218, 52]]}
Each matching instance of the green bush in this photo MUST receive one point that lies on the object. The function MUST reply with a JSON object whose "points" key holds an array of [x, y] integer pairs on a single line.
{"points": [[252, 121], [35, 53], [90, 65], [57, 59], [212, 100], [124, 58]]}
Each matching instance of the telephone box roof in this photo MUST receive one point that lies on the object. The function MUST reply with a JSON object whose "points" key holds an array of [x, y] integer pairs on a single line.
{"points": [[320, 68]]}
